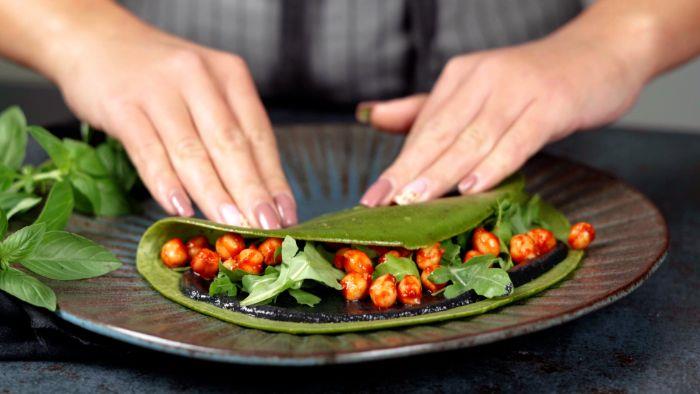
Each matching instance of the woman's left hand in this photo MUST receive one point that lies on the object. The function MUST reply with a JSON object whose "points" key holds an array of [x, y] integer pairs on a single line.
{"points": [[490, 111]]}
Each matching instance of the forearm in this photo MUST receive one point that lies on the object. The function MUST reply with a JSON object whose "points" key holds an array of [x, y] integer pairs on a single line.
{"points": [[647, 36], [48, 35]]}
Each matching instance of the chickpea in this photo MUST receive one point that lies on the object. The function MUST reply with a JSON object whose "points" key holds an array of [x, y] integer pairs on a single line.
{"points": [[194, 245], [544, 240], [355, 286], [229, 245], [410, 290], [206, 263], [249, 260], [581, 235], [339, 259], [174, 254], [429, 285], [430, 256], [470, 255], [357, 261], [383, 291], [522, 248], [382, 258], [485, 242], [268, 248]]}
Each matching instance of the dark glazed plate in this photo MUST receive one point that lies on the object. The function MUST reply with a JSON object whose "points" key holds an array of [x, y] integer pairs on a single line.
{"points": [[329, 166]]}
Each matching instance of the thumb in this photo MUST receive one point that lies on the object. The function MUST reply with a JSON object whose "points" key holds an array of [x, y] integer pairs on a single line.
{"points": [[394, 116]]}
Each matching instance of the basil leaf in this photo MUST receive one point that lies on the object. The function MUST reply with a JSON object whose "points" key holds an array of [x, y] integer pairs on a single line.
{"points": [[7, 176], [113, 201], [23, 205], [9, 200], [27, 288], [3, 224], [222, 285], [397, 266], [84, 158], [477, 275], [53, 147], [58, 207], [22, 243], [66, 256], [13, 137], [115, 159], [304, 297], [87, 193]]}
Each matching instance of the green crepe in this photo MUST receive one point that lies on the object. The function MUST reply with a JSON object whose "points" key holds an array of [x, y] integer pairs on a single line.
{"points": [[411, 226]]}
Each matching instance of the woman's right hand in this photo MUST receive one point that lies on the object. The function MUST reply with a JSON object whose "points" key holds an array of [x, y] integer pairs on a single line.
{"points": [[189, 117]]}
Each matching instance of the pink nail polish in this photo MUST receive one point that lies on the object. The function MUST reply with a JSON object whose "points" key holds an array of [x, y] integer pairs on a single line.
{"points": [[376, 193], [182, 204], [413, 192], [232, 216], [287, 209], [267, 216], [467, 184]]}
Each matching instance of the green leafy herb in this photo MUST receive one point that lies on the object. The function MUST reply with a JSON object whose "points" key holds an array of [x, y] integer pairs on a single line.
{"points": [[479, 274], [397, 266], [13, 137], [66, 256], [58, 207], [222, 285], [27, 288], [304, 297], [296, 267], [371, 253], [23, 205], [3, 224], [451, 254], [22, 243], [234, 275], [53, 146]]}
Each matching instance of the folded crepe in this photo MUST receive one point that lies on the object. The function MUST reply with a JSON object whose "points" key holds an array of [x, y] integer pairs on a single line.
{"points": [[411, 227]]}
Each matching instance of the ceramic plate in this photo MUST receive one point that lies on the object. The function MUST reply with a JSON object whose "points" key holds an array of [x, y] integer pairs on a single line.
{"points": [[329, 166]]}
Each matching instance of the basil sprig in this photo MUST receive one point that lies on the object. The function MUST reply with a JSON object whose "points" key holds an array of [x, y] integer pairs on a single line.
{"points": [[78, 176]]}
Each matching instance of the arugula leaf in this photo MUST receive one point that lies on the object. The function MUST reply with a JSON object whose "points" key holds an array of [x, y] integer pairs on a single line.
{"points": [[58, 207], [23, 205], [22, 243], [66, 256], [289, 248], [451, 254], [304, 297], [3, 224], [53, 147], [27, 288], [477, 275], [252, 282], [318, 268], [13, 137], [397, 266], [233, 275], [222, 285], [552, 219]]}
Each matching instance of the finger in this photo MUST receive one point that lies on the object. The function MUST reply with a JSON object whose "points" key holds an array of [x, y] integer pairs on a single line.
{"points": [[394, 116], [151, 161], [242, 96], [527, 136], [474, 143], [230, 150], [191, 160]]}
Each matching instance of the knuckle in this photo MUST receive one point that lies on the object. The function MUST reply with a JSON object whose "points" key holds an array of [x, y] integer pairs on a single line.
{"points": [[186, 60], [473, 140], [190, 147]]}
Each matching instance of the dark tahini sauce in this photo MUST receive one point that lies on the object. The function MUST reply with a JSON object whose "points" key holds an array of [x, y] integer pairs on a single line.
{"points": [[334, 309]]}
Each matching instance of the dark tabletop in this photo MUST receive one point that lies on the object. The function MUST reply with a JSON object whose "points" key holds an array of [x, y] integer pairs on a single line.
{"points": [[648, 341]]}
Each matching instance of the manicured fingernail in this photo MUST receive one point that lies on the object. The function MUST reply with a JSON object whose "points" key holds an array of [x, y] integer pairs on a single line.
{"points": [[231, 215], [376, 193], [467, 183], [287, 209], [413, 192], [363, 113], [182, 204], [267, 216]]}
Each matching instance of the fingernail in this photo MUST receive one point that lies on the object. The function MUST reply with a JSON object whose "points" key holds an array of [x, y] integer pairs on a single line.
{"points": [[376, 193], [413, 192], [467, 183], [363, 113], [231, 215], [287, 209], [267, 216], [182, 204]]}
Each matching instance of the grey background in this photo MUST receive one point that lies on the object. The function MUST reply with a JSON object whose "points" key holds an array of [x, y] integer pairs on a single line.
{"points": [[671, 102]]}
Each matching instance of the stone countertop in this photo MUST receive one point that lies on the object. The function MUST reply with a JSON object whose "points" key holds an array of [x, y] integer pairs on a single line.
{"points": [[648, 341]]}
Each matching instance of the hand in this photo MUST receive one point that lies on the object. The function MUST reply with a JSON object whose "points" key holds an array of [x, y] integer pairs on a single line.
{"points": [[190, 119], [490, 111]]}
